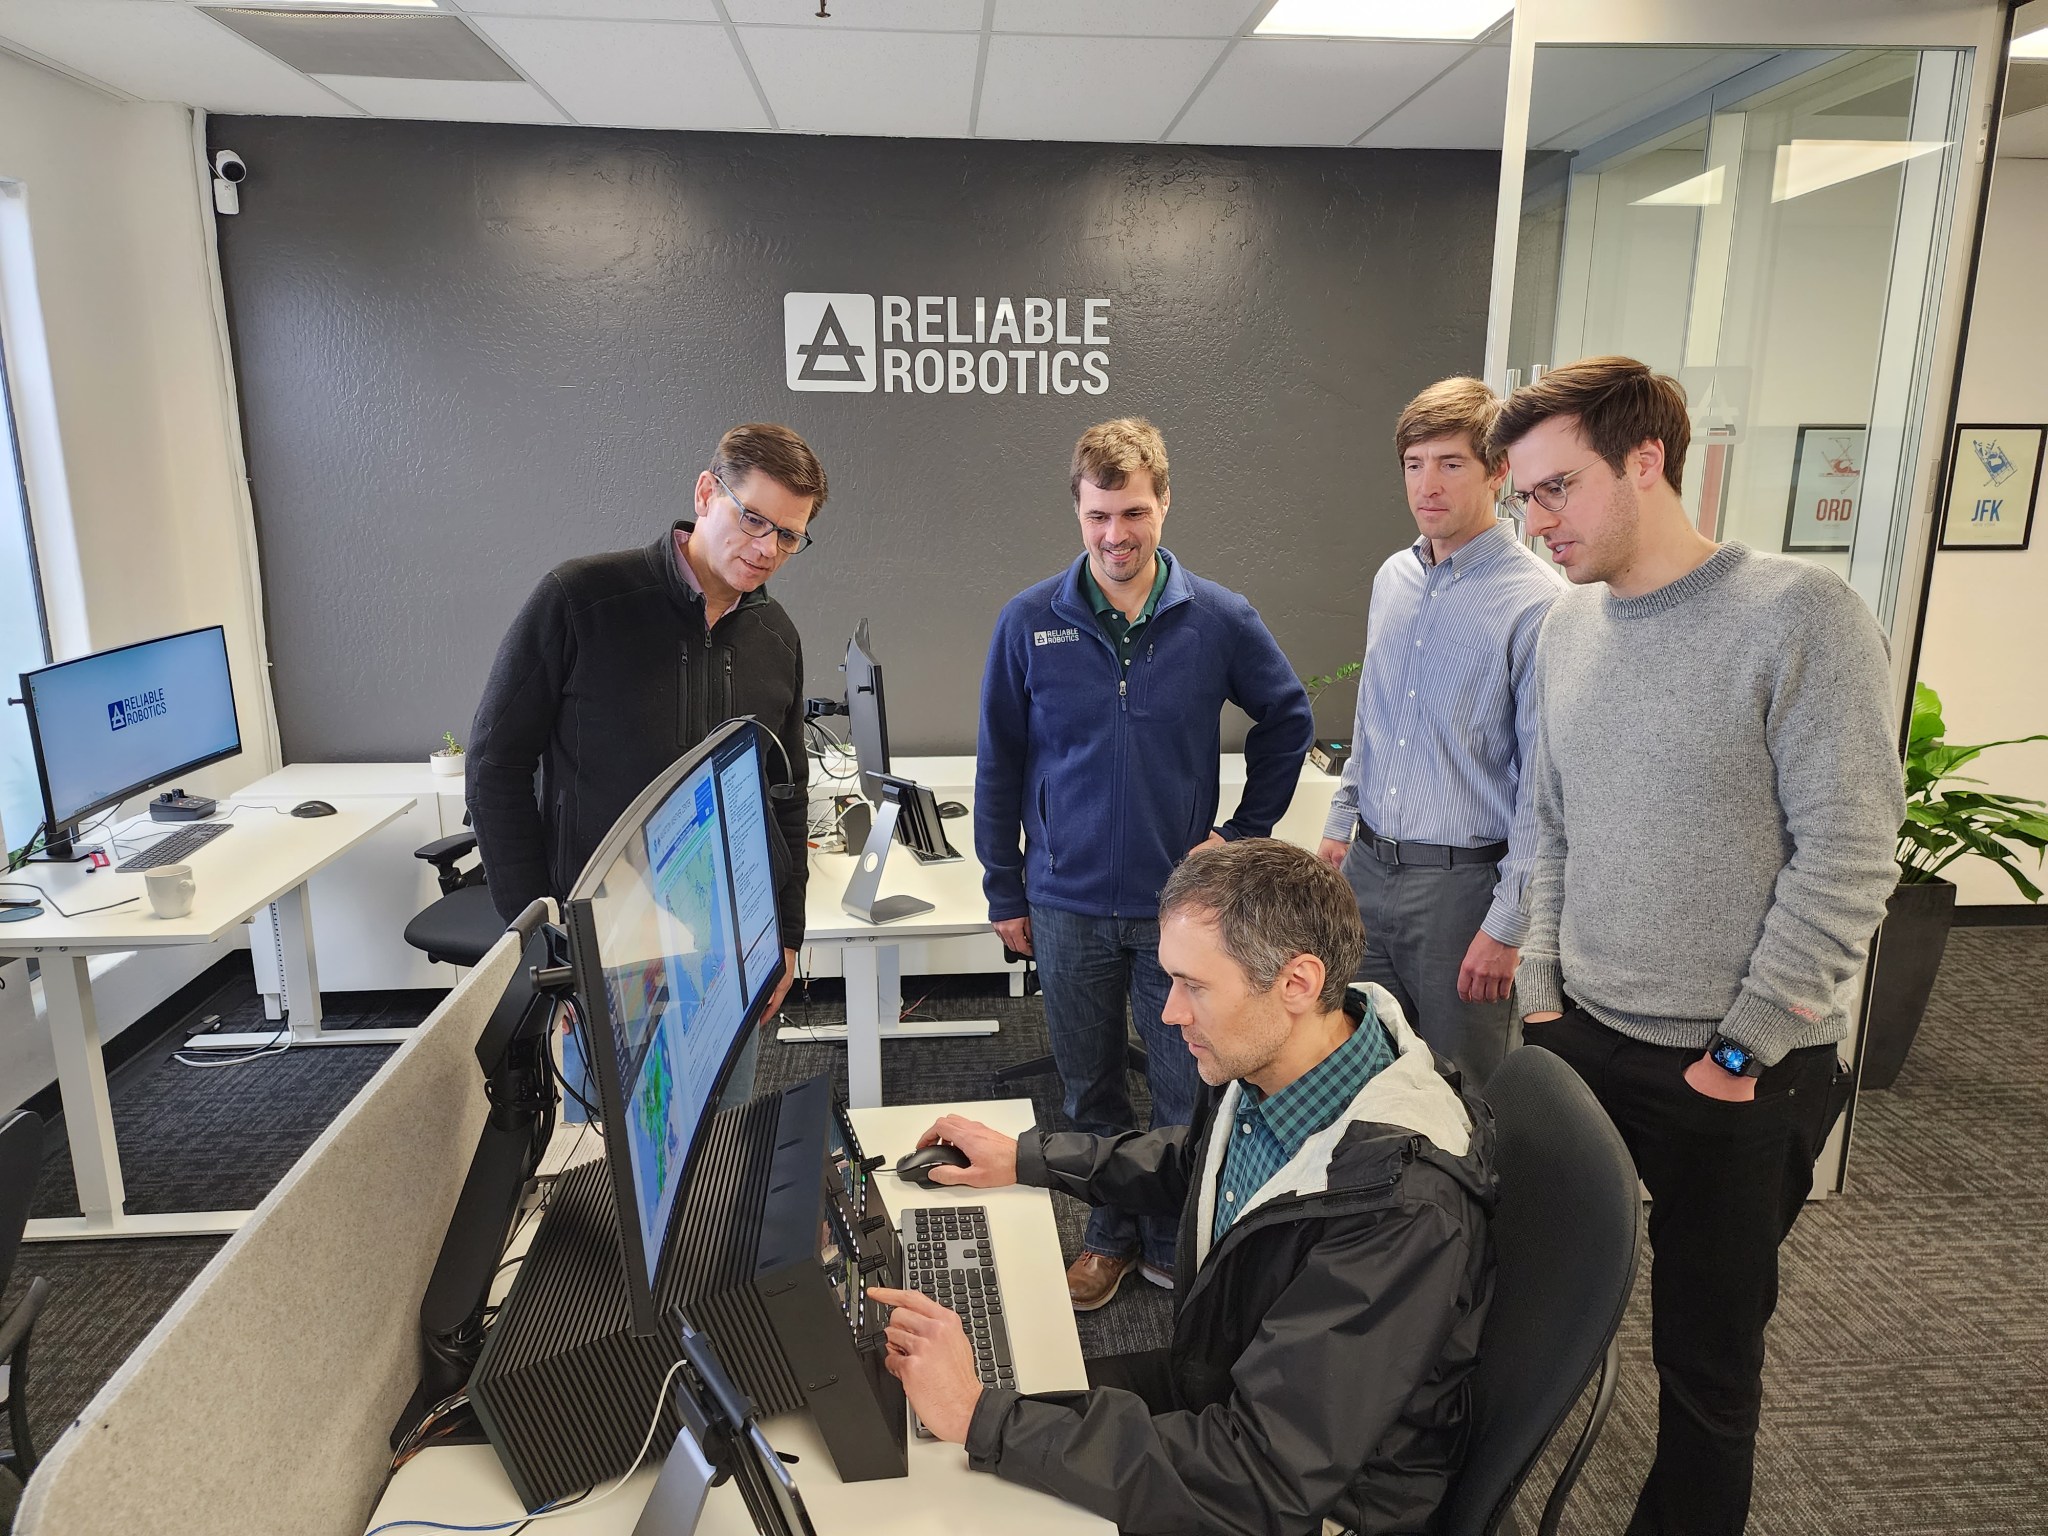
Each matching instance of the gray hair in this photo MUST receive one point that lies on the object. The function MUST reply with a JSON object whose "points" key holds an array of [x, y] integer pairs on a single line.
{"points": [[1271, 901]]}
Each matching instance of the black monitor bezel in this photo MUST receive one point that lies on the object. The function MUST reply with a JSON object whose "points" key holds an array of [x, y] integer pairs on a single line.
{"points": [[593, 1011], [868, 681], [52, 823]]}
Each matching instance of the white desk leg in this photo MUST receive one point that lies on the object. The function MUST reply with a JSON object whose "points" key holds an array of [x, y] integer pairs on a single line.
{"points": [[300, 979], [865, 1000], [82, 1083]]}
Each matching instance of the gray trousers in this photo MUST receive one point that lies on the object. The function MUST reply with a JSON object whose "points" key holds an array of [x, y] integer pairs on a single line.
{"points": [[1418, 924]]}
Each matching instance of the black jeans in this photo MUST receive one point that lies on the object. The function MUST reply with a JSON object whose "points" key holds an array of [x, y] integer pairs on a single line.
{"points": [[1726, 1183]]}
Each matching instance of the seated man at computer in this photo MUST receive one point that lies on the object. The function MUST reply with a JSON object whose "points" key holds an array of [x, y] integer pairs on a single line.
{"points": [[1334, 1263]]}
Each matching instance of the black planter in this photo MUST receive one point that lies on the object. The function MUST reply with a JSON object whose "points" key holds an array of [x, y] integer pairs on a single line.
{"points": [[1909, 949]]}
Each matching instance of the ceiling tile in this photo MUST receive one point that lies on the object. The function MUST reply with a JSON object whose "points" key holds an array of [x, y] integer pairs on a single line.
{"points": [[1108, 90], [1284, 91], [598, 10], [905, 84], [1129, 18], [164, 53], [1463, 110], [632, 74], [399, 45], [860, 15], [455, 101]]}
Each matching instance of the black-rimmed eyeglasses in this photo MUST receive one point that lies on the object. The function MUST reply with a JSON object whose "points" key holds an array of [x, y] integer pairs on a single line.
{"points": [[1551, 495], [791, 541]]}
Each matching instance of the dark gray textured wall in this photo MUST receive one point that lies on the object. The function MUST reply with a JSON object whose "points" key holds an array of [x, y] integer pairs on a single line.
{"points": [[469, 352]]}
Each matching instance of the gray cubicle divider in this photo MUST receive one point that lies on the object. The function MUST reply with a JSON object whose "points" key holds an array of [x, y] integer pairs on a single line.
{"points": [[264, 1400]]}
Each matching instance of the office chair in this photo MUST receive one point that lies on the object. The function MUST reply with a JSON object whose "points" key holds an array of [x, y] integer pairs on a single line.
{"points": [[462, 926], [21, 1157], [1134, 1058], [1565, 1237]]}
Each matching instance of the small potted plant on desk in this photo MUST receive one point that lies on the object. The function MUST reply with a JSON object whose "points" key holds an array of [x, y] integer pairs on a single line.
{"points": [[1941, 826], [1329, 752], [448, 760]]}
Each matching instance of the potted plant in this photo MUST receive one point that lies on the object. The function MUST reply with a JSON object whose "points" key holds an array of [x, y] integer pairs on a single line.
{"points": [[448, 760], [1941, 826]]}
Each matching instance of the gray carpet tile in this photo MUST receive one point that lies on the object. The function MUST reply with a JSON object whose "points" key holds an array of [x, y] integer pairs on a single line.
{"points": [[1907, 1388]]}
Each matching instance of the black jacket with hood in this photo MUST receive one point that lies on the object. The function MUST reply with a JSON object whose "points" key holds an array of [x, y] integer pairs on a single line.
{"points": [[1322, 1351], [605, 678]]}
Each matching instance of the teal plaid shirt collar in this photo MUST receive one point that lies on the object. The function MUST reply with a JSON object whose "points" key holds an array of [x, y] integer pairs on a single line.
{"points": [[1322, 1093]]}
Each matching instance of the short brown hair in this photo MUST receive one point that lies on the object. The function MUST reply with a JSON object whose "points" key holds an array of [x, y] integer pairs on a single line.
{"points": [[776, 452], [1447, 408], [1270, 902], [1110, 452], [1619, 404]]}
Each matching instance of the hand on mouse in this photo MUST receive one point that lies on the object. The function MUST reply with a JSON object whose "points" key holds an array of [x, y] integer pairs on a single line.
{"points": [[992, 1156]]}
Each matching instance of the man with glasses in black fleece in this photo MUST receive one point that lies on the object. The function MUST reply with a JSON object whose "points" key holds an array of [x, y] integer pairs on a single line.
{"points": [[620, 663]]}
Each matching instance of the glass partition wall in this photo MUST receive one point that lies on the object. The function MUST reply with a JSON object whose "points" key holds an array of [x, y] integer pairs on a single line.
{"points": [[1770, 226]]}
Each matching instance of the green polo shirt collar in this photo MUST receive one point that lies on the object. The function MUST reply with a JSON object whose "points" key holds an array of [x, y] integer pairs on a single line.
{"points": [[1121, 631]]}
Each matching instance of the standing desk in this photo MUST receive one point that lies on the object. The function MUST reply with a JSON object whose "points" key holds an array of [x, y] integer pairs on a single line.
{"points": [[465, 1485], [266, 860]]}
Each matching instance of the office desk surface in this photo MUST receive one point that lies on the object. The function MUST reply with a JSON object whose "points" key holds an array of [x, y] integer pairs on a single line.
{"points": [[941, 1497], [266, 853]]}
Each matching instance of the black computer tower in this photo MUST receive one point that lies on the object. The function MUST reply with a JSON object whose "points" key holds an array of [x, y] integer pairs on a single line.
{"points": [[775, 1248]]}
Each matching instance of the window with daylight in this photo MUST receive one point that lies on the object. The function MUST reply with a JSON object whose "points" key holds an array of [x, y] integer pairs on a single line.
{"points": [[24, 633]]}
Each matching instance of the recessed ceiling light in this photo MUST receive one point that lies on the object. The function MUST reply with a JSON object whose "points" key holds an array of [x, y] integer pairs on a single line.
{"points": [[337, 5], [1447, 19], [2033, 46], [1807, 165], [1701, 191]]}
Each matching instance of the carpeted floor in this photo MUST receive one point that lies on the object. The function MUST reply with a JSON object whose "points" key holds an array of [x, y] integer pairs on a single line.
{"points": [[1907, 1389]]}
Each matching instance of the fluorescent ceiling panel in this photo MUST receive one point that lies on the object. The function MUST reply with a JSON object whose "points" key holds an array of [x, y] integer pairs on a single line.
{"points": [[450, 101], [898, 84], [1292, 91], [632, 74], [1103, 89], [1466, 109], [1701, 191], [1807, 165], [2033, 46], [1383, 18], [164, 53], [858, 15], [394, 45], [598, 10], [1126, 18]]}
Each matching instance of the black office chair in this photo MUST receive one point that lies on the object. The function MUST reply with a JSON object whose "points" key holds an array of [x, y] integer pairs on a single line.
{"points": [[1038, 1066], [1565, 1237], [460, 928], [21, 1158]]}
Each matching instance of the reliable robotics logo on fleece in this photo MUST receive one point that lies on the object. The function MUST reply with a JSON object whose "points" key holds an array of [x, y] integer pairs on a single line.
{"points": [[858, 343]]}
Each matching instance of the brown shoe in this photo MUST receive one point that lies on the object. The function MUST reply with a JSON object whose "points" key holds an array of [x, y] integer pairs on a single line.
{"points": [[1093, 1278]]}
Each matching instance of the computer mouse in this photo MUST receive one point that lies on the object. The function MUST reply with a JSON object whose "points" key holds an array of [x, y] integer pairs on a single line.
{"points": [[917, 1166], [312, 808], [951, 808]]}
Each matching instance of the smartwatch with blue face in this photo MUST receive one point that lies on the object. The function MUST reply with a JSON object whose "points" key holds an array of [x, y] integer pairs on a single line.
{"points": [[1736, 1059]]}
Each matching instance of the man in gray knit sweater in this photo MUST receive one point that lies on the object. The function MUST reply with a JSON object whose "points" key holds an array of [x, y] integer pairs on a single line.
{"points": [[1719, 795]]}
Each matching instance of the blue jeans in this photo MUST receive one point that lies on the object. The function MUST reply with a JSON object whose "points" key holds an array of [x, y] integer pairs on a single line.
{"points": [[1089, 967]]}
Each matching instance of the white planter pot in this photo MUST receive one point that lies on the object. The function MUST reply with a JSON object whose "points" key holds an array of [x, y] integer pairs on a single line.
{"points": [[448, 764]]}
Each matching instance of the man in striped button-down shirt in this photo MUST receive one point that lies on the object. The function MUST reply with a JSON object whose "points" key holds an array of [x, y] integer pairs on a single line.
{"points": [[1432, 824]]}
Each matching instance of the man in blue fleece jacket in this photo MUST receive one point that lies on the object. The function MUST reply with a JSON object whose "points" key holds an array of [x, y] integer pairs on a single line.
{"points": [[1100, 740]]}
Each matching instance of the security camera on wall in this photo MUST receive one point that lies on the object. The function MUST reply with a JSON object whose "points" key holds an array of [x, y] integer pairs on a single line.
{"points": [[229, 172]]}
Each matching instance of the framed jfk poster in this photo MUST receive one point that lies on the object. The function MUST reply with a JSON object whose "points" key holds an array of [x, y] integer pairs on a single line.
{"points": [[1827, 486], [1993, 475]]}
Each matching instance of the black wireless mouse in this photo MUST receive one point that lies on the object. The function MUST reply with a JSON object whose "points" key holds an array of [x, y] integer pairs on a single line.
{"points": [[312, 808], [917, 1166]]}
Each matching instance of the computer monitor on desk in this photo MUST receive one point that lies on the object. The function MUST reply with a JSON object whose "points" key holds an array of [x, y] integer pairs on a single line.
{"points": [[115, 723], [866, 712]]}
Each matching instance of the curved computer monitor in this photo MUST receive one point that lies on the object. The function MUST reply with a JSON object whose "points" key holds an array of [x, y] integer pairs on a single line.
{"points": [[867, 716], [675, 948], [115, 723]]}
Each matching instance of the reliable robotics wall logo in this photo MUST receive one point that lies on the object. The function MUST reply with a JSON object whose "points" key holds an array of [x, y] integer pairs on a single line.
{"points": [[858, 343]]}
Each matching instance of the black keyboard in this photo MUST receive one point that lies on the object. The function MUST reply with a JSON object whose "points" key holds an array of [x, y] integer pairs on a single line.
{"points": [[948, 1256], [174, 849]]}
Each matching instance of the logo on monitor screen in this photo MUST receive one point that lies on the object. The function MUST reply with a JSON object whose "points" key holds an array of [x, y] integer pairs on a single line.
{"points": [[137, 707]]}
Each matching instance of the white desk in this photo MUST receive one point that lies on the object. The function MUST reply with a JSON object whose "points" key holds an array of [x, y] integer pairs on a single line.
{"points": [[267, 859], [465, 1485]]}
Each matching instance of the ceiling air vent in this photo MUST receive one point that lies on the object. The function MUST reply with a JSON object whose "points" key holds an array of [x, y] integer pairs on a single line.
{"points": [[389, 46]]}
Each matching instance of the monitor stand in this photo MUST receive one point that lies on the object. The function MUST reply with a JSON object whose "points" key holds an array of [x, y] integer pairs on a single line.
{"points": [[863, 898]]}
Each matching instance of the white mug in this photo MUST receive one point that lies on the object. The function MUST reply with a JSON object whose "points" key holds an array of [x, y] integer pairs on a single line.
{"points": [[170, 889]]}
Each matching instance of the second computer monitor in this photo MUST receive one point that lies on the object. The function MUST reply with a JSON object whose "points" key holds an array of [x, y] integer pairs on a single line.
{"points": [[675, 948], [867, 715]]}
